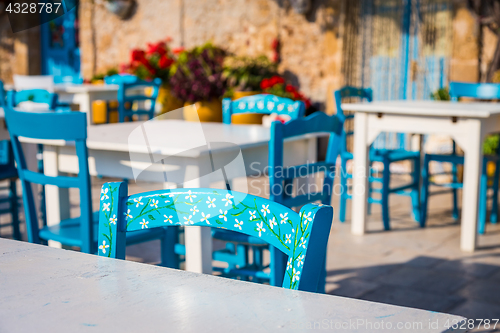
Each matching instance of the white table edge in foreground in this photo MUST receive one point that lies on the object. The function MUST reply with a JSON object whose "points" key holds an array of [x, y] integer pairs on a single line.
{"points": [[81, 292]]}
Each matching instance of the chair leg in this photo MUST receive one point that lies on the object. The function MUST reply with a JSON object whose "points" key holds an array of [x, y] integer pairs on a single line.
{"points": [[168, 256], [494, 205], [14, 209], [278, 266], [386, 178], [454, 172], [343, 194], [369, 204], [415, 200], [424, 195], [483, 201]]}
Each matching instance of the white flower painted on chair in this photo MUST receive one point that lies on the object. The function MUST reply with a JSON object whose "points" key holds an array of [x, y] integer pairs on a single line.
{"points": [[194, 210], [238, 224], [265, 210], [296, 275], [288, 239], [251, 105], [241, 105], [306, 218], [112, 219], [103, 247], [260, 105], [104, 193], [205, 218], [138, 202], [190, 196], [260, 228], [252, 215], [211, 202], [223, 215], [300, 261], [168, 219], [272, 222], [289, 264], [127, 215], [228, 199], [144, 224], [105, 206], [154, 203], [270, 106], [302, 242], [281, 107], [188, 220], [284, 218], [290, 108]]}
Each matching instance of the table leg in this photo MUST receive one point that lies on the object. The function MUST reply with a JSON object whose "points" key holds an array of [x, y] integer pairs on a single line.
{"points": [[359, 174], [85, 103], [57, 199], [473, 148], [198, 239]]}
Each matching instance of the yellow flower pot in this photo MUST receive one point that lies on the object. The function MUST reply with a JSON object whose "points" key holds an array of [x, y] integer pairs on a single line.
{"points": [[168, 101], [205, 111], [250, 118]]}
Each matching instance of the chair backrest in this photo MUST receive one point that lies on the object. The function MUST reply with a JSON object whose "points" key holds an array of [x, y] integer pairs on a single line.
{"points": [[39, 96], [264, 104], [68, 126], [302, 236], [281, 178], [25, 82], [474, 90], [132, 90], [2, 94]]}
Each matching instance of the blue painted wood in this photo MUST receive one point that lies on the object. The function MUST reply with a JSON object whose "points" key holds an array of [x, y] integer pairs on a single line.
{"points": [[126, 101], [386, 156], [479, 91], [69, 126], [3, 95], [264, 104], [33, 95], [301, 236]]}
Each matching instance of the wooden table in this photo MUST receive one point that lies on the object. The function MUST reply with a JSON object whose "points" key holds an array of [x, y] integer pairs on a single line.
{"points": [[85, 94], [466, 123], [43, 289], [241, 149]]}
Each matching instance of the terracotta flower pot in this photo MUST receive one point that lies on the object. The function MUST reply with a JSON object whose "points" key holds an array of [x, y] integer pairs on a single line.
{"points": [[205, 111], [250, 118]]}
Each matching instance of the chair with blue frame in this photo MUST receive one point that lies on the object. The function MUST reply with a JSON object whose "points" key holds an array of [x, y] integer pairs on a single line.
{"points": [[281, 181], [386, 155], [263, 104], [478, 91], [235, 254], [303, 238], [79, 231], [129, 98], [8, 172]]}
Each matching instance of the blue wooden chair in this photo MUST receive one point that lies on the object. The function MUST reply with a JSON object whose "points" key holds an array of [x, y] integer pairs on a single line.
{"points": [[281, 181], [303, 237], [131, 84], [385, 155], [263, 104], [79, 231], [478, 91]]}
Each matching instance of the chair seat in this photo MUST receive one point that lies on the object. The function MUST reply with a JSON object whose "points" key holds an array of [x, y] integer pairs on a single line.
{"points": [[394, 155], [233, 236], [68, 232]]}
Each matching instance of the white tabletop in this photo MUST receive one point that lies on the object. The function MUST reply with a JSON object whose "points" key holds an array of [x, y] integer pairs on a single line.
{"points": [[44, 289], [427, 108], [79, 88]]}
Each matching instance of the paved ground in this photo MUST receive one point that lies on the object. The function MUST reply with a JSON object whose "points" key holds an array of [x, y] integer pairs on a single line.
{"points": [[409, 266]]}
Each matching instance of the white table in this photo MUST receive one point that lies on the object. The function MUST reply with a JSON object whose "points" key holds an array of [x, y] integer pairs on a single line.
{"points": [[43, 289], [466, 123], [112, 155], [85, 94]]}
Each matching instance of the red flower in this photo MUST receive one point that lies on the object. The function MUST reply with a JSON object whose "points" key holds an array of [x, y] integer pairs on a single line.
{"points": [[264, 84], [276, 80], [289, 88], [307, 102], [165, 62], [137, 55], [178, 50], [159, 48]]}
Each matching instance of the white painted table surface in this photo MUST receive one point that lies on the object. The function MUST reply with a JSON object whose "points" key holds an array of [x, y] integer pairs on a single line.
{"points": [[85, 94], [466, 123], [110, 155], [43, 289]]}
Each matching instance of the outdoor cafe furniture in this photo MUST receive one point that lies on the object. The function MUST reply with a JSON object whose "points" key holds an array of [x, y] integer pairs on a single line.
{"points": [[44, 289], [466, 123], [187, 162], [77, 231], [477, 91], [385, 152]]}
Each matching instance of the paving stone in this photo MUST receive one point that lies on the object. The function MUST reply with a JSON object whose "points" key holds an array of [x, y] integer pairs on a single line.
{"points": [[473, 309], [468, 268], [442, 283], [404, 276], [424, 261], [350, 287], [482, 290]]}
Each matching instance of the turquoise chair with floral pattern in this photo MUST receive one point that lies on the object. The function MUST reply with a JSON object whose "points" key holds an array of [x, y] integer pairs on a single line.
{"points": [[303, 236]]}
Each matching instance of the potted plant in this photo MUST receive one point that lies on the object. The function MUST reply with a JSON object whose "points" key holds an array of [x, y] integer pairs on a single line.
{"points": [[156, 62], [196, 78], [276, 86]]}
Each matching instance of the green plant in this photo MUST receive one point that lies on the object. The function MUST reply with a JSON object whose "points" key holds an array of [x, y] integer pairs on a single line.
{"points": [[101, 76], [246, 73], [442, 94]]}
